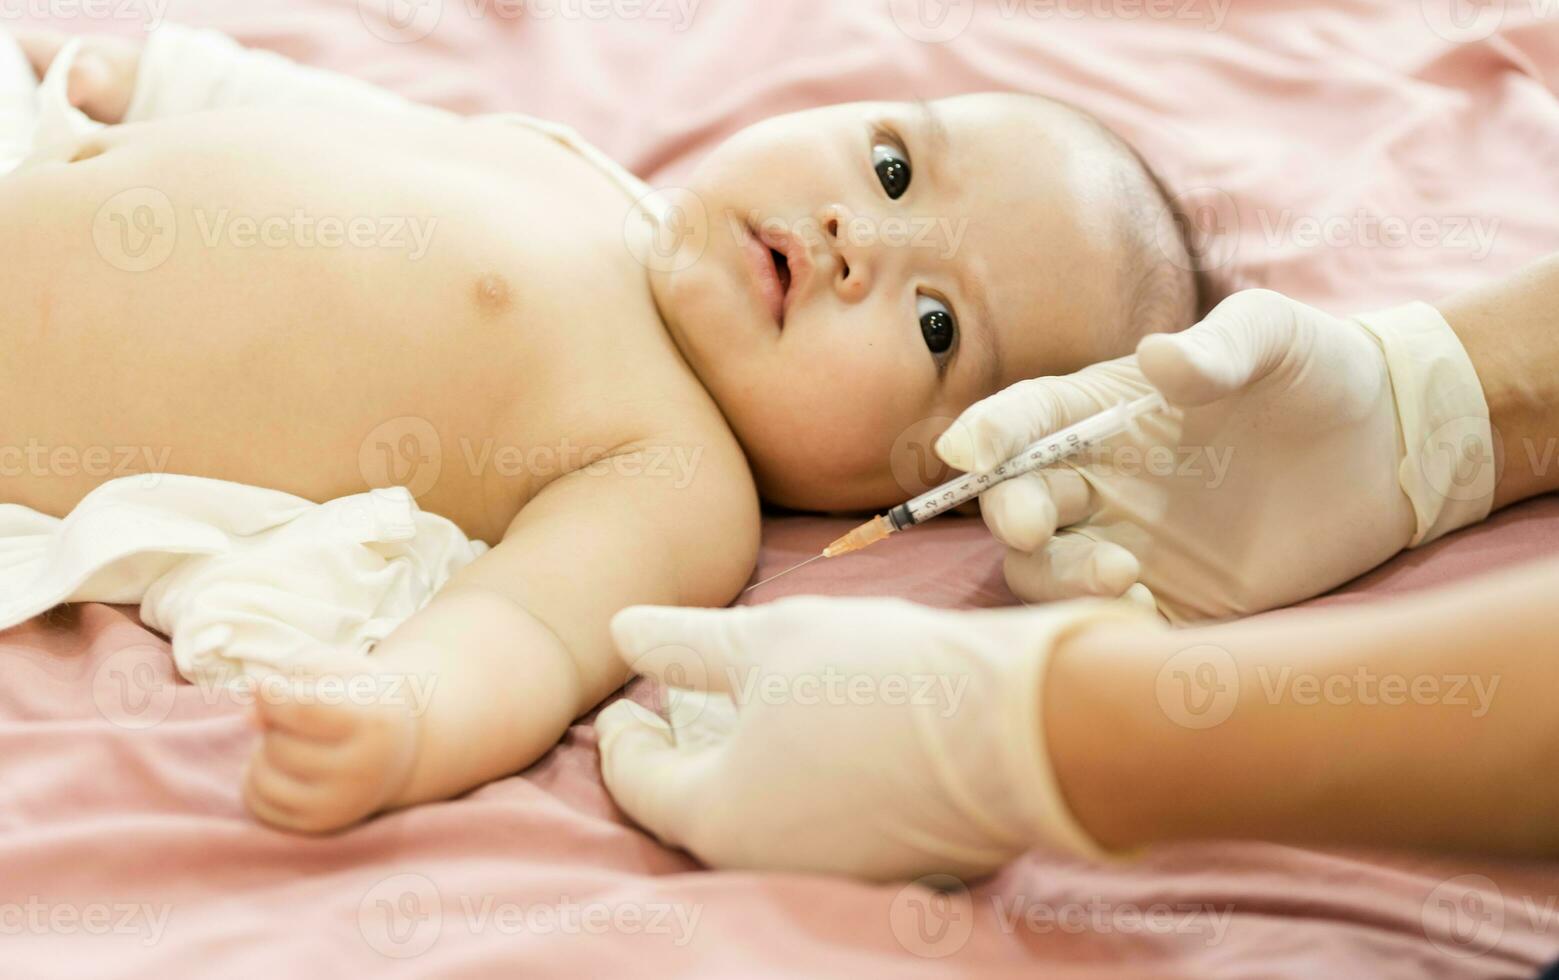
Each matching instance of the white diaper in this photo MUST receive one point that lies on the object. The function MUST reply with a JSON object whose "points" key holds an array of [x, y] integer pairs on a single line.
{"points": [[245, 581]]}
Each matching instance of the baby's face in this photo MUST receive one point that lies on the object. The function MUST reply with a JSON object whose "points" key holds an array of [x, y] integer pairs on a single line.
{"points": [[873, 269]]}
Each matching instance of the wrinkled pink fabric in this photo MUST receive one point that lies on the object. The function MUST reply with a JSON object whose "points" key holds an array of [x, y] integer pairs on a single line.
{"points": [[119, 788]]}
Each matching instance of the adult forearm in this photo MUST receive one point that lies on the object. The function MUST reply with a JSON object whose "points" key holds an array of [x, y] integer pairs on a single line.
{"points": [[1426, 722], [1510, 329]]}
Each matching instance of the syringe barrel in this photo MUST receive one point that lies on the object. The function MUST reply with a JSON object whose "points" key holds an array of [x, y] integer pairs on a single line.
{"points": [[1064, 444]]}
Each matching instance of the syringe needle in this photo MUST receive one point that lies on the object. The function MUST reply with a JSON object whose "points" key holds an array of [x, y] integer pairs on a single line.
{"points": [[783, 574]]}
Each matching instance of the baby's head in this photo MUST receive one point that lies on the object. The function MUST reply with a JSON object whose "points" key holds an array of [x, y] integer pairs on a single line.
{"points": [[872, 266]]}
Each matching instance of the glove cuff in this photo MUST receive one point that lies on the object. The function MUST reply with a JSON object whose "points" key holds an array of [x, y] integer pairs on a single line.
{"points": [[1447, 469], [1029, 772]]}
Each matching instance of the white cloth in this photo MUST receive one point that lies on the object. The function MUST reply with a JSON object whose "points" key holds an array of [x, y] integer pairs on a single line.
{"points": [[246, 581]]}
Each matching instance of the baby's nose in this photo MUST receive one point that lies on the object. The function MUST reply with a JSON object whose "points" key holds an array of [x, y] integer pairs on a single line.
{"points": [[853, 259]]}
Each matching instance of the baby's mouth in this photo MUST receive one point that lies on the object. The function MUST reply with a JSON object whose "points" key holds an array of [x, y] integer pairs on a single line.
{"points": [[782, 268], [771, 273]]}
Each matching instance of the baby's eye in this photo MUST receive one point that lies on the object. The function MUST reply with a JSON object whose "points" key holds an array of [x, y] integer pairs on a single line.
{"points": [[892, 169], [936, 324]]}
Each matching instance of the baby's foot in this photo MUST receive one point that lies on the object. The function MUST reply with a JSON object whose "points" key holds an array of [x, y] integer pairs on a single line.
{"points": [[325, 762]]}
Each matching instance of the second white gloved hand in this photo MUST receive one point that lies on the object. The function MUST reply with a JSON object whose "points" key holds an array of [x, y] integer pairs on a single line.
{"points": [[1304, 450], [870, 737]]}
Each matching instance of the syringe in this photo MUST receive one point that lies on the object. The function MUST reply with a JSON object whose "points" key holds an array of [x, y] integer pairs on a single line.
{"points": [[1070, 441]]}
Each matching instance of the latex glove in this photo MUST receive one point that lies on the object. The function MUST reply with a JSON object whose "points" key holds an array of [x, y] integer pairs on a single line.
{"points": [[870, 737], [1304, 451]]}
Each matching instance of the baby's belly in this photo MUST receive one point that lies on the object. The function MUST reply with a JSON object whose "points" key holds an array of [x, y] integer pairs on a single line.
{"points": [[310, 305]]}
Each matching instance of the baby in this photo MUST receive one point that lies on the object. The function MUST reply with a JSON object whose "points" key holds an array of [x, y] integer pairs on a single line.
{"points": [[829, 282]]}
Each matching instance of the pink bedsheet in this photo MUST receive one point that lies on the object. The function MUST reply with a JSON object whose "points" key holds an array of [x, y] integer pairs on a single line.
{"points": [[1304, 132]]}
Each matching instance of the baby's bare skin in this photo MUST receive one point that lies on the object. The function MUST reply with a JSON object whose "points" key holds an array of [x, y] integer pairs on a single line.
{"points": [[527, 324], [526, 338]]}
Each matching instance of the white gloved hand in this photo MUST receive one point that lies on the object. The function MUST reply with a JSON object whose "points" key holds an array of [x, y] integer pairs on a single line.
{"points": [[1303, 451], [874, 737]]}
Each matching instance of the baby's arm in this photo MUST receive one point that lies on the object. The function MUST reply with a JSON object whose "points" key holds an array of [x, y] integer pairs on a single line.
{"points": [[182, 70], [517, 645]]}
